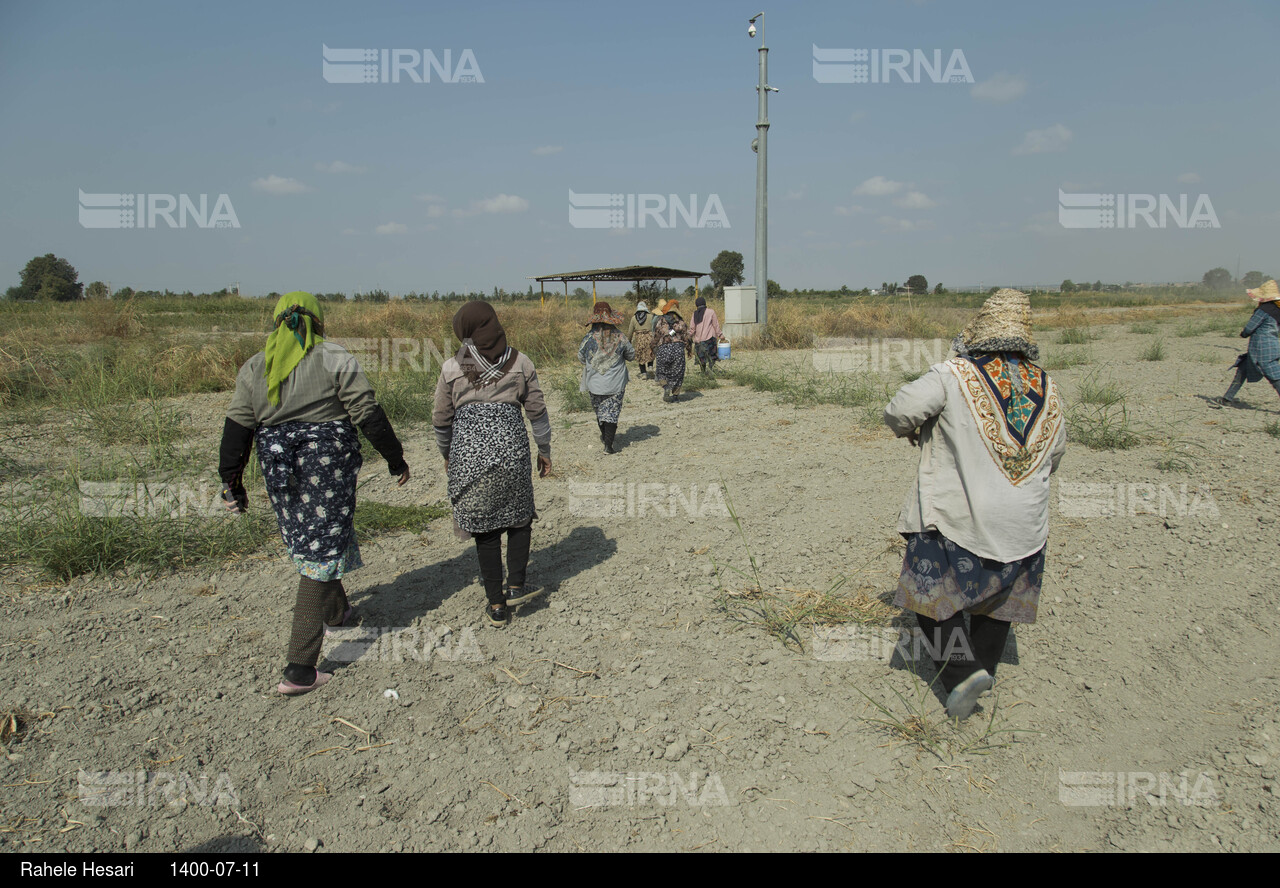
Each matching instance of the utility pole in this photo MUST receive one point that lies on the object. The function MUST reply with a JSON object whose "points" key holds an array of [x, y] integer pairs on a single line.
{"points": [[762, 176]]}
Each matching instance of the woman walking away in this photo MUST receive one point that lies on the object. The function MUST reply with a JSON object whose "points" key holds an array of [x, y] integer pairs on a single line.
{"points": [[302, 399], [671, 337], [990, 428], [604, 354], [481, 435], [640, 335], [1263, 358], [706, 334]]}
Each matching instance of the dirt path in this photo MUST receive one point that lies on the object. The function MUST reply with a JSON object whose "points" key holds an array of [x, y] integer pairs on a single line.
{"points": [[627, 711]]}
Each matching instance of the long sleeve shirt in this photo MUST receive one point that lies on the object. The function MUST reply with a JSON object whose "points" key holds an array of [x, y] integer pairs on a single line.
{"points": [[707, 328], [518, 386], [962, 489], [327, 385], [611, 380]]}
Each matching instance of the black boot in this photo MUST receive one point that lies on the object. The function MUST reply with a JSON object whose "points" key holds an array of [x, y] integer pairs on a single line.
{"points": [[607, 431], [603, 439]]}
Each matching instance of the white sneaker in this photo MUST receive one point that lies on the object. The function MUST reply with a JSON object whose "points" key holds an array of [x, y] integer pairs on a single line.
{"points": [[961, 701]]}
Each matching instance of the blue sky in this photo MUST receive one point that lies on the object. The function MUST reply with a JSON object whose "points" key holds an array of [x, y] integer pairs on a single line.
{"points": [[439, 186]]}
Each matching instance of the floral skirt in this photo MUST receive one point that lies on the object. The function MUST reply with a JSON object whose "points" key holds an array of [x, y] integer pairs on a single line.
{"points": [[670, 365], [310, 470], [490, 469], [644, 347], [607, 407], [940, 578]]}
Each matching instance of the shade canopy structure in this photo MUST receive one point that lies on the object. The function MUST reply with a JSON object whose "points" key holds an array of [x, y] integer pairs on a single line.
{"points": [[628, 273]]}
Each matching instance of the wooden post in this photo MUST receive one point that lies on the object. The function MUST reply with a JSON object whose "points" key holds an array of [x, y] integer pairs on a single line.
{"points": [[542, 286], [593, 292], [566, 294]]}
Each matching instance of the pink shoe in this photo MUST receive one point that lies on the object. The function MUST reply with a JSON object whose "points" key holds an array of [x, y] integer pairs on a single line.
{"points": [[346, 618], [289, 689]]}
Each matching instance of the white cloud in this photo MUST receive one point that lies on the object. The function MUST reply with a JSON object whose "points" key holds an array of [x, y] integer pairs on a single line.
{"points": [[850, 210], [1189, 178], [349, 231], [502, 203], [339, 166], [915, 200], [1000, 88], [878, 186], [391, 228], [889, 223], [1053, 138], [435, 211], [279, 185], [544, 150], [793, 194]]}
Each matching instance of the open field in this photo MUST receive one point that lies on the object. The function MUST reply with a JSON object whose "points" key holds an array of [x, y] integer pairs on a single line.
{"points": [[709, 670]]}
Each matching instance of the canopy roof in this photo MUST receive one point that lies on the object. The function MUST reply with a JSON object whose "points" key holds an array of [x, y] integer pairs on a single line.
{"points": [[625, 273]]}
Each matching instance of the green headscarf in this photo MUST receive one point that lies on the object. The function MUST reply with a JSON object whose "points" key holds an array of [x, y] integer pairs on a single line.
{"points": [[299, 323]]}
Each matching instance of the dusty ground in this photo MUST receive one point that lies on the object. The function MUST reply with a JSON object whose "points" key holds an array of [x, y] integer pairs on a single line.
{"points": [[628, 711]]}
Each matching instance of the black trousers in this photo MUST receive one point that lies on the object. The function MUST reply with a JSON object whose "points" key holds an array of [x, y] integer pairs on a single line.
{"points": [[960, 652], [489, 551], [319, 604]]}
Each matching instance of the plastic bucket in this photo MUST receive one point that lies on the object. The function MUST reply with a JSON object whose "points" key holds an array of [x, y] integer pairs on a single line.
{"points": [[723, 350]]}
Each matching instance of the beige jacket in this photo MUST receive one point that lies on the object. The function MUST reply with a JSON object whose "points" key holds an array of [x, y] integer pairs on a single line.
{"points": [[975, 484], [518, 386]]}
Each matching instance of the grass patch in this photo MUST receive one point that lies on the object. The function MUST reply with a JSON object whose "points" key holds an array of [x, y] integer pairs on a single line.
{"points": [[407, 397], [1272, 428], [783, 612], [373, 518], [806, 388], [1102, 427], [64, 542], [1076, 336], [566, 383], [1067, 359], [1104, 393], [1143, 329], [1153, 352], [918, 720]]}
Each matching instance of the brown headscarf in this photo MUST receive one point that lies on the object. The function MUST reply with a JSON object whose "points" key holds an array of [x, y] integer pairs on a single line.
{"points": [[483, 354]]}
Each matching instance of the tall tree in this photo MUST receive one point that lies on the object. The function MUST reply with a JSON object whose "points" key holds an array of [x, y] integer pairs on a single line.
{"points": [[48, 277], [917, 284], [727, 269], [1217, 278], [1253, 279]]}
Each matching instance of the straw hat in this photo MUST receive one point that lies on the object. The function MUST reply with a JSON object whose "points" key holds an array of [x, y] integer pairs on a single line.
{"points": [[1003, 324], [662, 307], [603, 314], [1268, 292]]}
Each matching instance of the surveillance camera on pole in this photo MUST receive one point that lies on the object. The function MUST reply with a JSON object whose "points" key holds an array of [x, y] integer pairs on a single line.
{"points": [[759, 146]]}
